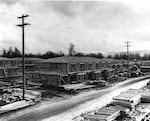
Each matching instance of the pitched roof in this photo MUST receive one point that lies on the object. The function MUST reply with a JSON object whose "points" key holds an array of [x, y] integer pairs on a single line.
{"points": [[71, 59], [27, 58], [3, 58]]}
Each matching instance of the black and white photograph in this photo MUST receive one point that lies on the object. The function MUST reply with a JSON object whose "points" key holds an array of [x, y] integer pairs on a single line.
{"points": [[74, 60]]}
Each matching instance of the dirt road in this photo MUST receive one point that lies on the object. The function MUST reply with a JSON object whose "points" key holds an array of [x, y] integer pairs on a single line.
{"points": [[67, 109]]}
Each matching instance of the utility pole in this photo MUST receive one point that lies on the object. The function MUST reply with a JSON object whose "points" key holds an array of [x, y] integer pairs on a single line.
{"points": [[127, 45], [23, 51]]}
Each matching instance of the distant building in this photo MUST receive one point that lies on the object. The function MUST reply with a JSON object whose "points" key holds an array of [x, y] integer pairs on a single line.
{"points": [[145, 66], [60, 70], [145, 63], [72, 69]]}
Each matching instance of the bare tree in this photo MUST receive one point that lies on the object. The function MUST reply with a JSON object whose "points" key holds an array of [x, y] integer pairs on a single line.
{"points": [[72, 49]]}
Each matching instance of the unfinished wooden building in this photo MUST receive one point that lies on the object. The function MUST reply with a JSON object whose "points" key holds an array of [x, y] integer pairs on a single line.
{"points": [[11, 71], [71, 69], [30, 63]]}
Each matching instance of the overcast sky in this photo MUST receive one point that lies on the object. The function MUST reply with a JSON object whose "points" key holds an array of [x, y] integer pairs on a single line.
{"points": [[93, 26]]}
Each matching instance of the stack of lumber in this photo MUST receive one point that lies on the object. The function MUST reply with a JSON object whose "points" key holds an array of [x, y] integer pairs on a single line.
{"points": [[105, 114], [127, 99]]}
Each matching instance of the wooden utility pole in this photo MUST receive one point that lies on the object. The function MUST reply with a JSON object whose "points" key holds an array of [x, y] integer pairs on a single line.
{"points": [[23, 52], [127, 45]]}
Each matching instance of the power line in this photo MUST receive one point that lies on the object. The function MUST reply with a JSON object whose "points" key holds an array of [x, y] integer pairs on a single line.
{"points": [[23, 51]]}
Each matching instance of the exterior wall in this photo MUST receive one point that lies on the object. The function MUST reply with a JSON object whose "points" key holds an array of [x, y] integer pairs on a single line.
{"points": [[6, 63], [73, 67], [78, 67], [97, 75], [19, 61], [82, 67], [73, 72], [66, 79], [87, 68], [51, 79], [81, 77], [100, 65], [44, 66], [1, 63], [97, 66], [35, 77], [145, 69], [74, 77], [145, 63], [90, 66], [2, 72], [90, 75], [15, 62], [58, 67]]}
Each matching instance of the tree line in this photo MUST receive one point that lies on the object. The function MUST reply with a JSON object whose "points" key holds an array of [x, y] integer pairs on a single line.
{"points": [[15, 52], [132, 56]]}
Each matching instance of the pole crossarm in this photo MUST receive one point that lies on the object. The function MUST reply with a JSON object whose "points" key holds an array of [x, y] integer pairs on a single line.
{"points": [[20, 25], [23, 16]]}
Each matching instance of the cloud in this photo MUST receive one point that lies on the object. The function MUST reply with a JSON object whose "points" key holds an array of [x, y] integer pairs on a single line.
{"points": [[90, 25], [8, 2], [64, 7]]}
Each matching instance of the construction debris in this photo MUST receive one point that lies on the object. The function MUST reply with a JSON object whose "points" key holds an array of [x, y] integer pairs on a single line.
{"points": [[131, 105]]}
